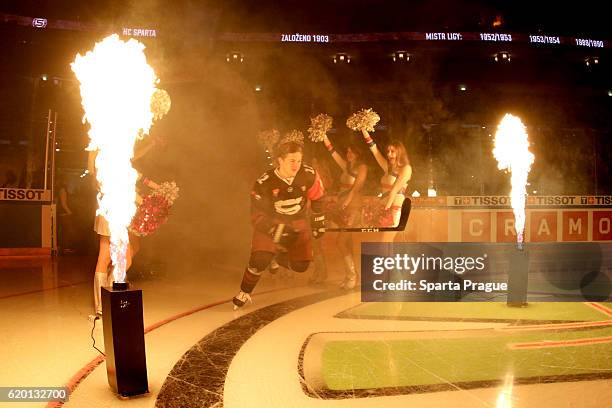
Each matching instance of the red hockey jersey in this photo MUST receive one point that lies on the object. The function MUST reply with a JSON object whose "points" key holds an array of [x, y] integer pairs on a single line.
{"points": [[274, 198]]}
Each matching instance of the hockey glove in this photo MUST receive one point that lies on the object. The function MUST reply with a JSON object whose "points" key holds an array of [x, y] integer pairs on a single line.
{"points": [[317, 224]]}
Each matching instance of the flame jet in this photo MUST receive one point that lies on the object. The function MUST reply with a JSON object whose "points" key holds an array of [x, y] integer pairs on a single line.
{"points": [[116, 85], [511, 150]]}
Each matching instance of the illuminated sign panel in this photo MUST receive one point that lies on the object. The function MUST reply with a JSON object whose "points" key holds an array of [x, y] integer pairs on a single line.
{"points": [[39, 22], [575, 226], [22, 194], [587, 42], [297, 37], [544, 39], [521, 38], [476, 226], [602, 226], [496, 37], [139, 32], [443, 36]]}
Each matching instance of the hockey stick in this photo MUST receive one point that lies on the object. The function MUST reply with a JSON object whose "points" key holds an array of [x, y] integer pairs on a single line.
{"points": [[278, 233], [401, 225]]}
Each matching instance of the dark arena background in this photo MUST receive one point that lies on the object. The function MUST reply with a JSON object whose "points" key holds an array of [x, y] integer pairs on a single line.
{"points": [[441, 75]]}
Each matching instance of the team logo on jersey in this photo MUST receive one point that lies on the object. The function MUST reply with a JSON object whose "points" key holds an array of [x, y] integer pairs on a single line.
{"points": [[290, 189], [303, 188], [263, 178], [275, 192], [288, 207]]}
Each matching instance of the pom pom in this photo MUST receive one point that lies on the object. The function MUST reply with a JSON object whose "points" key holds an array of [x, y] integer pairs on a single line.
{"points": [[365, 119], [153, 212], [319, 126], [268, 138], [294, 136], [336, 214], [160, 103], [168, 190], [368, 215], [374, 214], [385, 218]]}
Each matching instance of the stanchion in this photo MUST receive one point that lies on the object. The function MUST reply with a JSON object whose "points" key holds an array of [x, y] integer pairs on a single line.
{"points": [[517, 277], [122, 319]]}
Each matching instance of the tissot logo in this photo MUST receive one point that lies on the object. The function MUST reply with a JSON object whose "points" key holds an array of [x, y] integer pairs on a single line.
{"points": [[17, 194], [39, 22]]}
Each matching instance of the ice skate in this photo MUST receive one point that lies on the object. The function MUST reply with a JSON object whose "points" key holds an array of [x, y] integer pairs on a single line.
{"points": [[241, 299], [274, 267]]}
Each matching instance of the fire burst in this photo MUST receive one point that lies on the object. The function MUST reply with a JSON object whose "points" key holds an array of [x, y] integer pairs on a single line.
{"points": [[512, 153], [116, 89]]}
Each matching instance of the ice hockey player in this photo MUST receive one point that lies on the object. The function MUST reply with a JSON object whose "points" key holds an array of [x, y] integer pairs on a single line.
{"points": [[279, 215]]}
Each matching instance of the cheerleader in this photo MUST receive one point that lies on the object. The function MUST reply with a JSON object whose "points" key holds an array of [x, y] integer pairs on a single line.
{"points": [[349, 204], [103, 276], [397, 173]]}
